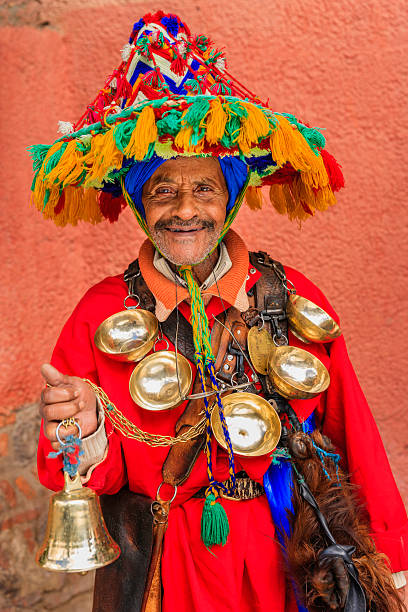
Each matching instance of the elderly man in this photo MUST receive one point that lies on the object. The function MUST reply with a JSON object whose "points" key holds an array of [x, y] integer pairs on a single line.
{"points": [[184, 164]]}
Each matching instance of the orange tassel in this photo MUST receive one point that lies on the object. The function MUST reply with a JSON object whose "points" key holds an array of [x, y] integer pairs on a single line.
{"points": [[254, 198]]}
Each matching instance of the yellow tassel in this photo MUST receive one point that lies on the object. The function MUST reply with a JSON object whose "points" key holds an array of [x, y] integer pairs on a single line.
{"points": [[103, 157], [73, 204], [317, 176], [38, 194], [285, 200], [143, 135], [90, 207], [288, 145], [183, 140], [254, 198], [69, 168], [278, 199], [216, 121], [324, 198], [48, 211], [254, 127]]}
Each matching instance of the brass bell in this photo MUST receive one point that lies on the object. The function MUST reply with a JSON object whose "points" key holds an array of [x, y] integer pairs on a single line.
{"points": [[296, 373], [160, 382], [253, 424], [309, 322], [127, 335], [76, 538]]}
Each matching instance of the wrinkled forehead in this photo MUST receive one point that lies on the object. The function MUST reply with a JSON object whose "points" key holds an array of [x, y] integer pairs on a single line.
{"points": [[188, 170]]}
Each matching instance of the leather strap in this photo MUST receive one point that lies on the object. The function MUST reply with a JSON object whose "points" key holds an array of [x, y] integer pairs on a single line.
{"points": [[270, 297], [152, 594]]}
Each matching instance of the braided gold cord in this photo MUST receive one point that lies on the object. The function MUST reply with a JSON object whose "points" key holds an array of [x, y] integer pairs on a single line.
{"points": [[130, 430]]}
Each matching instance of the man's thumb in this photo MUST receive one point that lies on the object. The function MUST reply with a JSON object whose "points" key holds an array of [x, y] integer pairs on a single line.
{"points": [[52, 376]]}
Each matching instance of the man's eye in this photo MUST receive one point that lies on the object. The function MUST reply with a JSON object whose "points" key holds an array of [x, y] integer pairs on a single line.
{"points": [[203, 188], [164, 190]]}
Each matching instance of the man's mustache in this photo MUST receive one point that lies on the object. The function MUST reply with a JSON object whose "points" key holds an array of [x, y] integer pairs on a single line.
{"points": [[176, 222]]}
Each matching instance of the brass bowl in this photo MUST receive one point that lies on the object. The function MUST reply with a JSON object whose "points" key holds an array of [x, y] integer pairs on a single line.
{"points": [[153, 384], [127, 335], [253, 424], [309, 321], [297, 374]]}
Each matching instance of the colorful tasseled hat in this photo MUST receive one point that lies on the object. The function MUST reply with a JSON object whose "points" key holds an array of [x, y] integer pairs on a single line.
{"points": [[172, 95]]}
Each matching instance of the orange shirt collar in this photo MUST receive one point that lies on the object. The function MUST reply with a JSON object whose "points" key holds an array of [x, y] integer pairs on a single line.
{"points": [[231, 287]]}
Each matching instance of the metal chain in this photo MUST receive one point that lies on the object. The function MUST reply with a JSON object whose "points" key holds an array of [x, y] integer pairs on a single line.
{"points": [[130, 430]]}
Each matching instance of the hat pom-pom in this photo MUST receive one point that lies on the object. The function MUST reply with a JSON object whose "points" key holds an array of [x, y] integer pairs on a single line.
{"points": [[65, 127]]}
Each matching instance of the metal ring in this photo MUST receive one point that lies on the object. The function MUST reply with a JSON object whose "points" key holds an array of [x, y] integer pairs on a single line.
{"points": [[236, 374], [283, 337], [159, 339], [134, 297], [174, 494], [293, 289], [66, 423]]}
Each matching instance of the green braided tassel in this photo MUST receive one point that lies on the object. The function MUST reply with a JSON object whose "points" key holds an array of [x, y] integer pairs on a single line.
{"points": [[214, 523]]}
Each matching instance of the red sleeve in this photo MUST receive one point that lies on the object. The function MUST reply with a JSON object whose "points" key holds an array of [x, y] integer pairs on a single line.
{"points": [[73, 355], [347, 420]]}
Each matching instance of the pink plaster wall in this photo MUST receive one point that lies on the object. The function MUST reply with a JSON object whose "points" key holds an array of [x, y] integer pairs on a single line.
{"points": [[338, 65]]}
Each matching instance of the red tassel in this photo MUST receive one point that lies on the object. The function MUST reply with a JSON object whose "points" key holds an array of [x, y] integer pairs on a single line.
{"points": [[111, 207], [333, 170], [178, 65], [286, 174], [59, 207], [151, 78], [307, 209]]}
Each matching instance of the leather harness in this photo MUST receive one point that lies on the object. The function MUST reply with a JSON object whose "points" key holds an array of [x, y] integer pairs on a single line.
{"points": [[267, 303]]}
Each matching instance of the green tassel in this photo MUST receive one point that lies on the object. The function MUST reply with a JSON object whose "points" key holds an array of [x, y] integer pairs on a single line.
{"points": [[214, 523], [54, 159], [123, 132], [170, 123], [196, 113], [38, 153]]}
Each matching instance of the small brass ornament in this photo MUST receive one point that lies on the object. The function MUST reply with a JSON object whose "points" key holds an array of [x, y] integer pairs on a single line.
{"points": [[260, 345]]}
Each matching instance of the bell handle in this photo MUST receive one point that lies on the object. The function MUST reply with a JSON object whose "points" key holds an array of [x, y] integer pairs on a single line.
{"points": [[72, 484]]}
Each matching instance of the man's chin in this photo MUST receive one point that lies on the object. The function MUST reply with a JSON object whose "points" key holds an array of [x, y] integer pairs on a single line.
{"points": [[184, 255]]}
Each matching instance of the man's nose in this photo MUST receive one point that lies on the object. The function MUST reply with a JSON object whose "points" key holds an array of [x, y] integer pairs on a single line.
{"points": [[186, 205]]}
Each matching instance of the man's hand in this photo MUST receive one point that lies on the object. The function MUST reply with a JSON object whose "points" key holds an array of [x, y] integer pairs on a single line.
{"points": [[67, 396]]}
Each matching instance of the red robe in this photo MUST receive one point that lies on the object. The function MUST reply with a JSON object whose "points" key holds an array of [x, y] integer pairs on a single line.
{"points": [[247, 573]]}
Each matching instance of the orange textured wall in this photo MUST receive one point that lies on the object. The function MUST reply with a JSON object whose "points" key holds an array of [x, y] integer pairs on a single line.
{"points": [[337, 65]]}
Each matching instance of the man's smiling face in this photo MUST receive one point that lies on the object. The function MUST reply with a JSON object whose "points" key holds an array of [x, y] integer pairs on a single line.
{"points": [[185, 204]]}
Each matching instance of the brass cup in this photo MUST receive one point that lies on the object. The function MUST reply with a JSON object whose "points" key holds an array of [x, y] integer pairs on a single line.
{"points": [[253, 424], [153, 384], [297, 374], [309, 321], [127, 335]]}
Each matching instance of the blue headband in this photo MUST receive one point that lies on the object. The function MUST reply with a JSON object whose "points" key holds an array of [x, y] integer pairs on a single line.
{"points": [[234, 170]]}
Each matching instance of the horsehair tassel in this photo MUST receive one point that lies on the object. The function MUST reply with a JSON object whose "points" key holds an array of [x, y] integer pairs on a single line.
{"points": [[214, 521]]}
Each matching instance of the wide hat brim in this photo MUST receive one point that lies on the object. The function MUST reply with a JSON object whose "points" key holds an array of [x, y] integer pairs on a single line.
{"points": [[79, 176]]}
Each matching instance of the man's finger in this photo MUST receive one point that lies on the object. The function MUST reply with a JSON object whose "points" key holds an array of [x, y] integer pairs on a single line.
{"points": [[54, 395], [52, 376], [59, 412]]}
